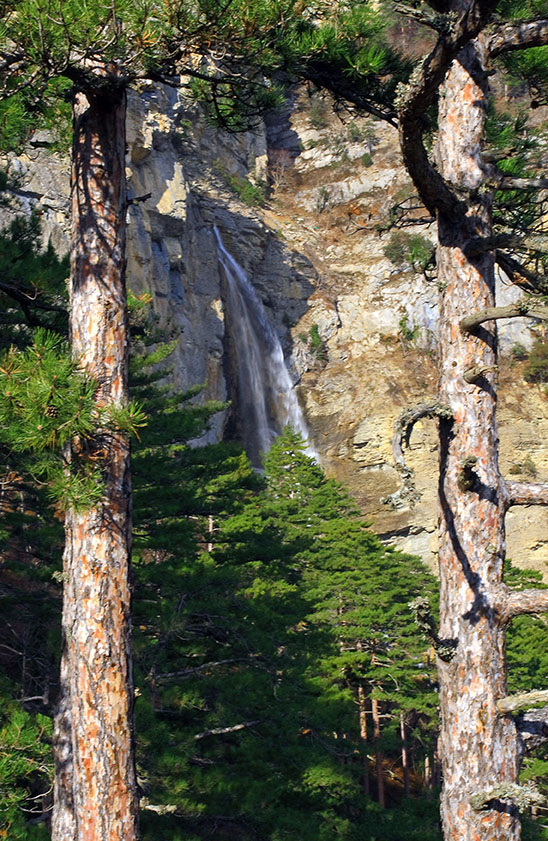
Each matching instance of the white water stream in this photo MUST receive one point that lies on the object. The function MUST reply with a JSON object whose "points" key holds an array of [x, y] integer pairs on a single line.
{"points": [[266, 396]]}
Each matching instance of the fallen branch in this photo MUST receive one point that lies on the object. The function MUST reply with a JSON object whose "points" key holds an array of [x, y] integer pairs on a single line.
{"points": [[220, 731]]}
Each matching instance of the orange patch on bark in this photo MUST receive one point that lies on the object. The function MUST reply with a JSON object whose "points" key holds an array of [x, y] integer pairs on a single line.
{"points": [[93, 730], [470, 93]]}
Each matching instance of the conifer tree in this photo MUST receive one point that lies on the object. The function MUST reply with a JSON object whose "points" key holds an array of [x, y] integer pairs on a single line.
{"points": [[461, 182], [51, 51], [360, 590], [268, 684]]}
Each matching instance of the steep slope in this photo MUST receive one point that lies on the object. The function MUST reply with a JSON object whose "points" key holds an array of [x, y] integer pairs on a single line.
{"points": [[303, 204]]}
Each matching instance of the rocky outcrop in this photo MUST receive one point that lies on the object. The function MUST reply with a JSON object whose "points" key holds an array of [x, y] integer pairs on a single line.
{"points": [[358, 330]]}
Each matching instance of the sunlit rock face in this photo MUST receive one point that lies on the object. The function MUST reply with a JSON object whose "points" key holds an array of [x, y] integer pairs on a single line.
{"points": [[357, 327]]}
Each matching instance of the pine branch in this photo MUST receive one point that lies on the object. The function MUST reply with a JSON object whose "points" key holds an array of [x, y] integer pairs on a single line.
{"points": [[477, 372], [532, 726], [29, 297], [344, 88], [421, 92], [532, 240], [507, 182], [511, 603], [517, 310], [526, 493], [522, 797], [203, 667], [520, 274], [525, 700], [518, 36], [439, 21]]}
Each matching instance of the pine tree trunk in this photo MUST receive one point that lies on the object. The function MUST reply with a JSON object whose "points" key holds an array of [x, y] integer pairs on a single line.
{"points": [[362, 707], [427, 774], [96, 793], [479, 747], [378, 754], [404, 756]]}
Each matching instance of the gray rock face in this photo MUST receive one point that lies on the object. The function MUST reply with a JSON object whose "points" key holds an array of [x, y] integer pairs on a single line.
{"points": [[315, 254]]}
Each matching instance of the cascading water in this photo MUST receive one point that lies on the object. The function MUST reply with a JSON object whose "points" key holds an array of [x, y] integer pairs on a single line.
{"points": [[267, 399]]}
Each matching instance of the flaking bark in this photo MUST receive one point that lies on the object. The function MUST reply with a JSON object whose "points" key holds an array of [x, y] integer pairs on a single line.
{"points": [[479, 748], [99, 783]]}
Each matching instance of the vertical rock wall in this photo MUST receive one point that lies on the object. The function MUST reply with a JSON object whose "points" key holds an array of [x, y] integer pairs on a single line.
{"points": [[358, 330]]}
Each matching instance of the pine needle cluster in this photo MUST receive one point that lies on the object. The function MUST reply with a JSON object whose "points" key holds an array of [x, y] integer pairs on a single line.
{"points": [[50, 419]]}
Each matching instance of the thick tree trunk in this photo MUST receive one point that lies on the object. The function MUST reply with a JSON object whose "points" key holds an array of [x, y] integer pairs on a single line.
{"points": [[96, 793], [479, 746]]}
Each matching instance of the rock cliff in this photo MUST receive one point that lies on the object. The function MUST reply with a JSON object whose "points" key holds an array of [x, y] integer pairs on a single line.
{"points": [[303, 204]]}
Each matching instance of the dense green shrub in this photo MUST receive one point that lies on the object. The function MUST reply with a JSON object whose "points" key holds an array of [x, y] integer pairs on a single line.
{"points": [[536, 370], [413, 249]]}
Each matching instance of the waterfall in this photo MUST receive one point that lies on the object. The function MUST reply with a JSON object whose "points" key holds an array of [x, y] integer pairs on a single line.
{"points": [[266, 397]]}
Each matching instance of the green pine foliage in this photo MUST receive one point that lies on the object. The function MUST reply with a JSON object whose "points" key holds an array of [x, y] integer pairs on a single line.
{"points": [[33, 283], [45, 402], [527, 638], [26, 771], [517, 213], [360, 591], [248, 672], [527, 658], [34, 385], [52, 42]]}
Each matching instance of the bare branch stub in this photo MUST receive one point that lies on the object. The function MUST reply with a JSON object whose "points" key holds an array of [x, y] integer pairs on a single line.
{"points": [[526, 493], [477, 372], [510, 603], [525, 700], [522, 797], [444, 648], [517, 36]]}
